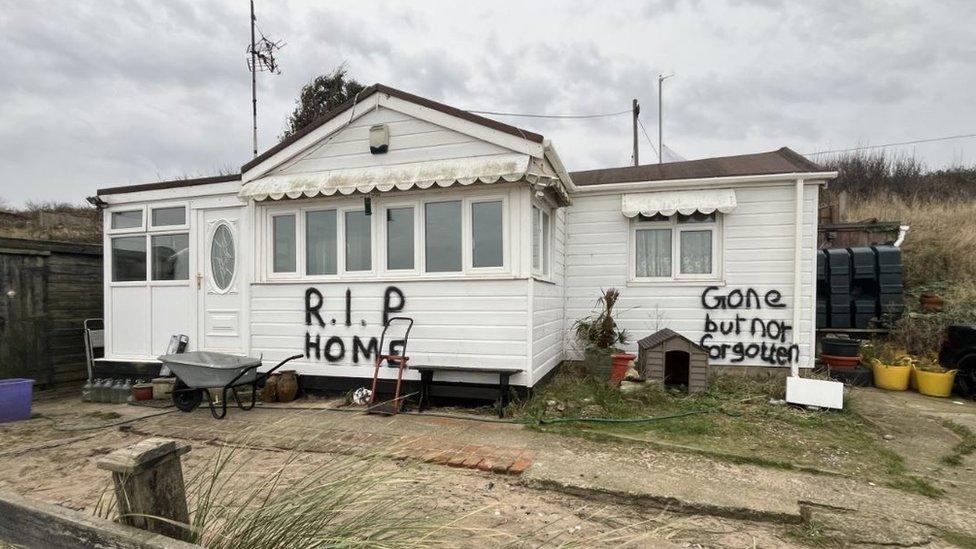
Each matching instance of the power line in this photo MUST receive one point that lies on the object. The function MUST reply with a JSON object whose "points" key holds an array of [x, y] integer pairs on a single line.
{"points": [[913, 142], [522, 115], [648, 137]]}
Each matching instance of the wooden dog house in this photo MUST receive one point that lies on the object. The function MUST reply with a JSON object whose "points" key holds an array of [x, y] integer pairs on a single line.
{"points": [[674, 360]]}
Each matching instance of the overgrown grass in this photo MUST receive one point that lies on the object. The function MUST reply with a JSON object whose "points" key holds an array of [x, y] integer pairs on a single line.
{"points": [[740, 419], [965, 447]]}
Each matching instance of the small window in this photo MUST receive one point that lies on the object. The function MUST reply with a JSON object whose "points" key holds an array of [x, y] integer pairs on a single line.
{"points": [[131, 219], [653, 253], [320, 242], [442, 236], [359, 242], [283, 236], [399, 238], [171, 257], [164, 217], [223, 257], [486, 234], [129, 259], [696, 252], [541, 240]]}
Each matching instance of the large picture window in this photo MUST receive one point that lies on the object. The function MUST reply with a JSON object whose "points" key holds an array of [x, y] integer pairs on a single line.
{"points": [[675, 247]]}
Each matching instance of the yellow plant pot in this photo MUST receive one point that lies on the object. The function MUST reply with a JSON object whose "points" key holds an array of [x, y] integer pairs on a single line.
{"points": [[937, 384], [892, 378]]}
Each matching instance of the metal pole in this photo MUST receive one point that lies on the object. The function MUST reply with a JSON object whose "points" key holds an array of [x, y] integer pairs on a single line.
{"points": [[254, 85], [660, 121], [636, 109]]}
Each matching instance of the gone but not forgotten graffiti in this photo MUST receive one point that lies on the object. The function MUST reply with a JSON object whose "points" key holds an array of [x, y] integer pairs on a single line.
{"points": [[775, 350], [334, 348]]}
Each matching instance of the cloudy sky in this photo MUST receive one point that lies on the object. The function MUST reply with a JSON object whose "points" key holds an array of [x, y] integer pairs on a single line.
{"points": [[103, 93]]}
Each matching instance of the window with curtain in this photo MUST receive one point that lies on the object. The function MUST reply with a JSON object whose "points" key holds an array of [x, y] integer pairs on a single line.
{"points": [[696, 252], [653, 253], [399, 238], [283, 243], [486, 234], [442, 236], [320, 242], [359, 242]]}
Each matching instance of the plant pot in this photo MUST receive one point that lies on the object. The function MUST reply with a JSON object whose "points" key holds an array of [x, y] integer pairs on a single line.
{"points": [[619, 366], [891, 378], [936, 384], [835, 346], [270, 391], [597, 362], [930, 303], [287, 386], [913, 379], [847, 363]]}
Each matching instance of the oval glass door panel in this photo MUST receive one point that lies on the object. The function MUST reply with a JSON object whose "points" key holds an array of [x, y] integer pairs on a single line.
{"points": [[222, 257]]}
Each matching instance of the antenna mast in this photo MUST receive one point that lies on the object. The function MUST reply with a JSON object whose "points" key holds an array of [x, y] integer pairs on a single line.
{"points": [[261, 54], [660, 117]]}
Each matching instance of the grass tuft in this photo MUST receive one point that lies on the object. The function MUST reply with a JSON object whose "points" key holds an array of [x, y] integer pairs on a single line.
{"points": [[965, 447]]}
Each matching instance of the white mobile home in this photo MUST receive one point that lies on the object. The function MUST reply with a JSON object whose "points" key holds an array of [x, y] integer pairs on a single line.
{"points": [[393, 204]]}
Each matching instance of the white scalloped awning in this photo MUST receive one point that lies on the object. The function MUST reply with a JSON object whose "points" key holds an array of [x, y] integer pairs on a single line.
{"points": [[668, 203], [423, 175]]}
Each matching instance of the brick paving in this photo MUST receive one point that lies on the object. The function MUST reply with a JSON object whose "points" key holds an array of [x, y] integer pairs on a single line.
{"points": [[289, 434]]}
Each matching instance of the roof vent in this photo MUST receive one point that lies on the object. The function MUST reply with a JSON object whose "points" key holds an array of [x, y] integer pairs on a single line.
{"points": [[379, 139]]}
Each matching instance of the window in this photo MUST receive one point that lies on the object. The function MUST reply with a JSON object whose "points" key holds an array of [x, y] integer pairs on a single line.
{"points": [[442, 236], [283, 237], [399, 238], [131, 219], [320, 242], [541, 235], [129, 259], [676, 247], [169, 216], [223, 257], [487, 234], [171, 257], [359, 242]]}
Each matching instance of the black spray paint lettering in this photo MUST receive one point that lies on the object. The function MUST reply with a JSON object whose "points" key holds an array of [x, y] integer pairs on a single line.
{"points": [[334, 348], [776, 351]]}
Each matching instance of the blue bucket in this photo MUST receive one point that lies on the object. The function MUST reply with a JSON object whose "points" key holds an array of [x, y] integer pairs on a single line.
{"points": [[15, 399]]}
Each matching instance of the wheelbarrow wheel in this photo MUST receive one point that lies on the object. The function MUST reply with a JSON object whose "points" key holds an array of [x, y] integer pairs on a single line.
{"points": [[184, 398]]}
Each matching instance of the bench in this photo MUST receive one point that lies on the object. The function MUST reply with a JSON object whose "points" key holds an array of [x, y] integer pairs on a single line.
{"points": [[427, 380]]}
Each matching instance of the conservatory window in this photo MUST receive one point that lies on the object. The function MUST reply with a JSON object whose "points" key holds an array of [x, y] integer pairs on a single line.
{"points": [[129, 259], [169, 216], [487, 234], [129, 219], [171, 257]]}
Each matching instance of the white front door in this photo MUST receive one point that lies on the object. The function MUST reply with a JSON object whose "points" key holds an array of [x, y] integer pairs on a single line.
{"points": [[220, 280]]}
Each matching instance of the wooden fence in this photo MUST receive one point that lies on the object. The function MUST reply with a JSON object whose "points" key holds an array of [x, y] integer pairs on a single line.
{"points": [[47, 290]]}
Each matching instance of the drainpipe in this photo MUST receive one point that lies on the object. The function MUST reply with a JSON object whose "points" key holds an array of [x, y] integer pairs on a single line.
{"points": [[797, 270], [902, 233]]}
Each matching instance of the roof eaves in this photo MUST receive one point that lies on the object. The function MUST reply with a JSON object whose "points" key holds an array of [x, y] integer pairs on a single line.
{"points": [[171, 184]]}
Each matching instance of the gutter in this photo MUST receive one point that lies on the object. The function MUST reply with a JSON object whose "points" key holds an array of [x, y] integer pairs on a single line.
{"points": [[703, 181]]}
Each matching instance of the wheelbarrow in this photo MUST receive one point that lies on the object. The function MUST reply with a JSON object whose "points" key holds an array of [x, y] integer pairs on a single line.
{"points": [[197, 372]]}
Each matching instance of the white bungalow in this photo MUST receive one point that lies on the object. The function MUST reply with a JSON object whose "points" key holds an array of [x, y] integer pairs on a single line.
{"points": [[393, 204]]}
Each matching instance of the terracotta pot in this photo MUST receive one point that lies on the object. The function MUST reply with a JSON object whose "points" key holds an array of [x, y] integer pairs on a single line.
{"points": [[142, 391], [287, 386], [840, 362], [931, 303], [619, 366], [270, 391]]}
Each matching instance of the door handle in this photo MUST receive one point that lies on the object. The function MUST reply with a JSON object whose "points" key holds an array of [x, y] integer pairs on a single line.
{"points": [[199, 281]]}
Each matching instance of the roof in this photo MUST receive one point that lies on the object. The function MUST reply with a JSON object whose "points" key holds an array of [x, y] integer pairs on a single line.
{"points": [[660, 337], [784, 160], [171, 184], [422, 101]]}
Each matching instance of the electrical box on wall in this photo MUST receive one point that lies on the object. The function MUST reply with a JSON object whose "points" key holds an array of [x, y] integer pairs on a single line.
{"points": [[379, 139]]}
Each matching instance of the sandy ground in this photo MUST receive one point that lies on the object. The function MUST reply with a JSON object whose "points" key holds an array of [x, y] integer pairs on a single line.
{"points": [[58, 466]]}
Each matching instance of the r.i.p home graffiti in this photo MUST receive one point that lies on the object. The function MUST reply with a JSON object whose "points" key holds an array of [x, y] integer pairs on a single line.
{"points": [[772, 346], [335, 349]]}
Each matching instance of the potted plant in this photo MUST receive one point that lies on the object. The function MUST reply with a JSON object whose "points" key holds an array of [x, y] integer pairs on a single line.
{"points": [[931, 378], [891, 367], [599, 335]]}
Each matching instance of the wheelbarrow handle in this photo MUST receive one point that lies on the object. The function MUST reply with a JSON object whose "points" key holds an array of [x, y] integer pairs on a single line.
{"points": [[263, 376]]}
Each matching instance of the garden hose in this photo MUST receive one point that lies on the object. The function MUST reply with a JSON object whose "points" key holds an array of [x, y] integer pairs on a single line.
{"points": [[57, 427]]}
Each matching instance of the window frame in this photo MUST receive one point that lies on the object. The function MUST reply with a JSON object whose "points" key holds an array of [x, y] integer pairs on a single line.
{"points": [[122, 209], [676, 227], [211, 279], [544, 270], [147, 217], [381, 204], [149, 258]]}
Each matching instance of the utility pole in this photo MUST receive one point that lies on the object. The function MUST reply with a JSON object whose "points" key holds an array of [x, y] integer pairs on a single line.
{"points": [[254, 85], [660, 117], [636, 109]]}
